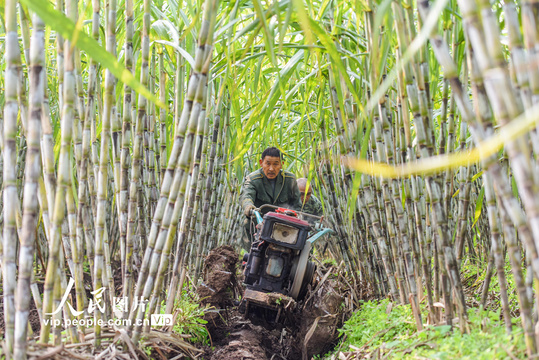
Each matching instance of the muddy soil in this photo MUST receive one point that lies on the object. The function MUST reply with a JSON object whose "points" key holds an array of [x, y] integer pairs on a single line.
{"points": [[309, 330], [33, 316]]}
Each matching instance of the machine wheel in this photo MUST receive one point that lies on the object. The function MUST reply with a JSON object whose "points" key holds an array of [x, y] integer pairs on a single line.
{"points": [[309, 274], [300, 271]]}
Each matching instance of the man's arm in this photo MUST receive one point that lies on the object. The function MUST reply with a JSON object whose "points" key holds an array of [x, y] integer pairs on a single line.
{"points": [[247, 196]]}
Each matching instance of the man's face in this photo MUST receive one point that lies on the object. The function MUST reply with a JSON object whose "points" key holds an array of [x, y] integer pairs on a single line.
{"points": [[305, 195], [271, 165]]}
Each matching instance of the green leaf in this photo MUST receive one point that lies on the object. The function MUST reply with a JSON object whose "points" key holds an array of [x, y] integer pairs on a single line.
{"points": [[268, 38], [165, 27], [476, 176], [182, 52], [514, 187], [479, 206], [335, 55], [356, 184], [443, 329], [269, 105], [68, 29]]}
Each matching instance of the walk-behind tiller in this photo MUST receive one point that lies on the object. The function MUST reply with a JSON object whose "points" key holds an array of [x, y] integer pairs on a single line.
{"points": [[277, 268]]}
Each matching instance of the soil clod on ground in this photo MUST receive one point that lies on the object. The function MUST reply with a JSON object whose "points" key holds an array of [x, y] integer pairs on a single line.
{"points": [[321, 317]]}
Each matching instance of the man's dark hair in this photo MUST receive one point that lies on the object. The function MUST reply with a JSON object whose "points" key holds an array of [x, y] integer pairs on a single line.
{"points": [[271, 151]]}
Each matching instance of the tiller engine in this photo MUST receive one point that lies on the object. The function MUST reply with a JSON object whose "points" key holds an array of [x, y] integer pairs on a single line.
{"points": [[277, 268]]}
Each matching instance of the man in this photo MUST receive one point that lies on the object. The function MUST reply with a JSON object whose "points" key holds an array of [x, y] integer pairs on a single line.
{"points": [[269, 185], [310, 203]]}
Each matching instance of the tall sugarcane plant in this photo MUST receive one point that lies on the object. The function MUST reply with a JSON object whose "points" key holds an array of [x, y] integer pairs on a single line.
{"points": [[124, 150], [10, 194]]}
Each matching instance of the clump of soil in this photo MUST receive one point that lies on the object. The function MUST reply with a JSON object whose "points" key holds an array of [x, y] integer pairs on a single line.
{"points": [[218, 288], [219, 277], [321, 316]]}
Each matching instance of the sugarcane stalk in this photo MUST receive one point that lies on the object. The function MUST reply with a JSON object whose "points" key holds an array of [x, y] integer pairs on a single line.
{"points": [[464, 201], [30, 202], [76, 252], [197, 178], [380, 238], [102, 180], [208, 194], [135, 190], [186, 220], [60, 60], [152, 186], [25, 36], [502, 184], [196, 84], [10, 196], [187, 210], [531, 39], [125, 157], [502, 98], [496, 249], [199, 110], [525, 305], [162, 154], [388, 208], [21, 87]]}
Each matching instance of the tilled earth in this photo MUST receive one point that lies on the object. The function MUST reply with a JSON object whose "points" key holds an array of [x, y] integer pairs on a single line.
{"points": [[309, 330]]}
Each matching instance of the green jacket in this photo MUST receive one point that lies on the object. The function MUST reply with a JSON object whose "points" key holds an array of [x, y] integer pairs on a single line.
{"points": [[313, 206], [258, 191]]}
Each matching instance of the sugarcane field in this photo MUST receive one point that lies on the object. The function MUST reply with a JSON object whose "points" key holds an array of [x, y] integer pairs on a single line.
{"points": [[269, 179]]}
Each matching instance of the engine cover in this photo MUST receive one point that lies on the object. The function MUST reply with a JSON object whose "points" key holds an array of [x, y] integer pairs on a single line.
{"points": [[284, 230]]}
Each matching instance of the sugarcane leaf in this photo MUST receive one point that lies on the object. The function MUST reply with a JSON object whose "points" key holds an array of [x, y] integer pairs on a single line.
{"points": [[476, 176], [224, 28], [403, 195], [2, 12], [268, 38], [68, 29], [257, 73], [292, 92], [252, 26], [165, 26], [265, 109], [365, 141], [182, 52], [293, 124], [479, 206], [284, 75], [514, 187], [328, 43], [190, 24], [322, 9], [352, 200]]}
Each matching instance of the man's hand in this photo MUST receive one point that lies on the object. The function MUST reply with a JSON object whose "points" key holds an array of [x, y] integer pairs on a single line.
{"points": [[248, 209]]}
